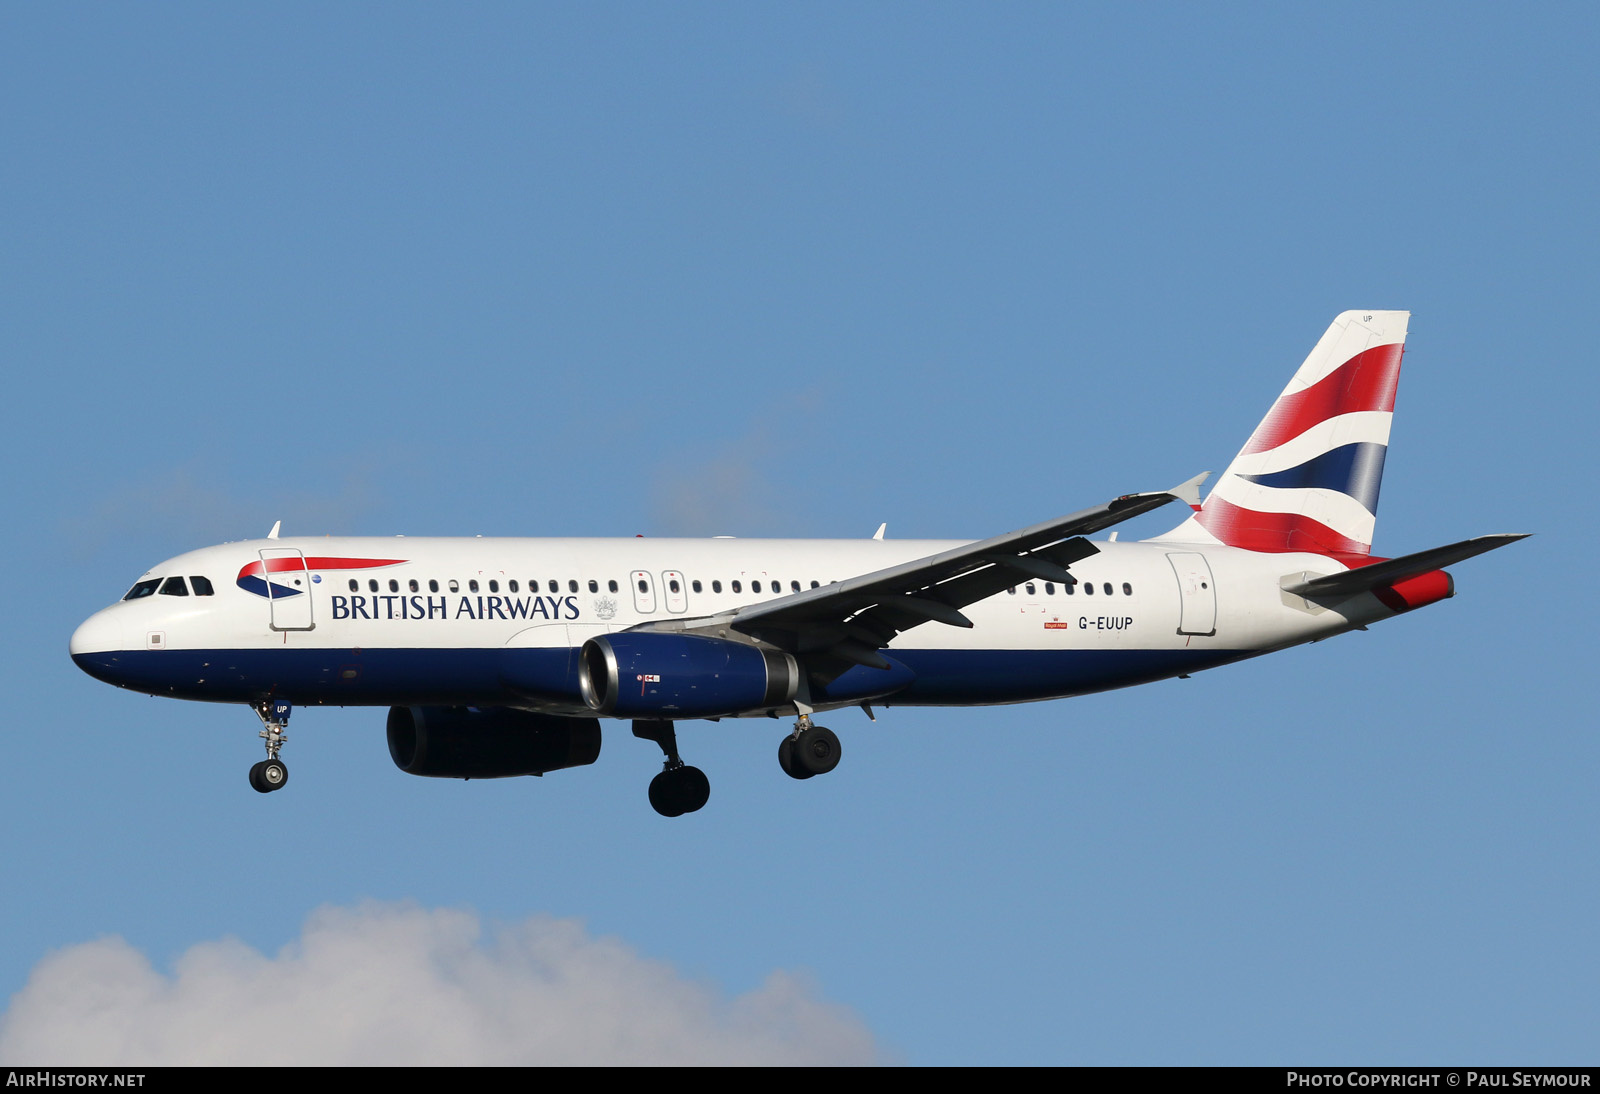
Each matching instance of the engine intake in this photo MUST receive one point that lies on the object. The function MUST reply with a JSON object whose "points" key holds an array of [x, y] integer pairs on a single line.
{"points": [[466, 743], [651, 675]]}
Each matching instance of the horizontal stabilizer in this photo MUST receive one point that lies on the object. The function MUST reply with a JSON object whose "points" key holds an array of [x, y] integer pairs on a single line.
{"points": [[1366, 578]]}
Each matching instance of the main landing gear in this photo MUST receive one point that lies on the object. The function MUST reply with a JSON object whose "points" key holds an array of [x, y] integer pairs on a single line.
{"points": [[271, 773], [809, 750], [679, 789]]}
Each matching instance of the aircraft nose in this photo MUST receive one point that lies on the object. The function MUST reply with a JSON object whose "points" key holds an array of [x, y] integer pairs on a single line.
{"points": [[100, 633], [100, 644]]}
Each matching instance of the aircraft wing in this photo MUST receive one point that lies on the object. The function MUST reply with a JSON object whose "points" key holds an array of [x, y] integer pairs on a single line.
{"points": [[851, 620], [1364, 578]]}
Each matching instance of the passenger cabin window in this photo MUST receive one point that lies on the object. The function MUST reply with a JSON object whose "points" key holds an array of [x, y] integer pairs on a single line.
{"points": [[202, 586], [472, 585], [716, 586], [755, 586], [512, 584], [414, 586], [494, 586], [736, 587], [372, 584], [555, 586], [1107, 588], [674, 586], [354, 585], [1030, 588], [433, 585], [612, 585], [794, 586], [814, 585], [1127, 589], [1088, 588], [1069, 589], [594, 586], [695, 585], [572, 585], [1049, 588], [174, 586], [455, 586], [394, 586], [143, 589]]}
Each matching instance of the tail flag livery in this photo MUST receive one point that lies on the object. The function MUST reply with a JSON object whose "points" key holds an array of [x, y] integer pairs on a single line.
{"points": [[1308, 478]]}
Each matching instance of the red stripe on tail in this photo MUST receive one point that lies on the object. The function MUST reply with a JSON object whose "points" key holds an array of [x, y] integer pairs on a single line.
{"points": [[1365, 382], [1240, 527]]}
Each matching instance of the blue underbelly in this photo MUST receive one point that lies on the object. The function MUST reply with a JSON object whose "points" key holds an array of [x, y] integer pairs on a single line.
{"points": [[956, 677], [486, 677]]}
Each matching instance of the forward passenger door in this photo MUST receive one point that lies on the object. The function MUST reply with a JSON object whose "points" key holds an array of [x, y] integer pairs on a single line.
{"points": [[288, 588]]}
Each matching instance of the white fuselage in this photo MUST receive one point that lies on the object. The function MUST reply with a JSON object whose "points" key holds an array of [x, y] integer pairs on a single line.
{"points": [[398, 620]]}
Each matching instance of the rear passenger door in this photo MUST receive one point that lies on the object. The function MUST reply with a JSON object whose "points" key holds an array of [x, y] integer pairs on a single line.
{"points": [[1197, 594]]}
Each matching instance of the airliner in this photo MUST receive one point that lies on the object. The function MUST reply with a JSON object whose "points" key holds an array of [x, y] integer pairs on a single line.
{"points": [[500, 657]]}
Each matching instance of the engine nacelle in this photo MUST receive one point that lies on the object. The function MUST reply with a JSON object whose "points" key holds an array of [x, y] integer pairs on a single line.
{"points": [[466, 743], [648, 674]]}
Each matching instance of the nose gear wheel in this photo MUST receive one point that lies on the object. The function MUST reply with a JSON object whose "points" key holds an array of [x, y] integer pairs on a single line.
{"points": [[272, 773]]}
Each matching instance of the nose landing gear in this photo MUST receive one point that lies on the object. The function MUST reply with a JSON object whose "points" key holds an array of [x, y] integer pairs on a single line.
{"points": [[272, 773]]}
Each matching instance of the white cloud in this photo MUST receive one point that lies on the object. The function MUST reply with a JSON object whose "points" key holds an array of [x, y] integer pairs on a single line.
{"points": [[725, 495], [728, 490], [400, 984], [188, 506]]}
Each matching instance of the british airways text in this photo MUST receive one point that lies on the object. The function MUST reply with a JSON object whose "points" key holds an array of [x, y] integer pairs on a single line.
{"points": [[400, 606]]}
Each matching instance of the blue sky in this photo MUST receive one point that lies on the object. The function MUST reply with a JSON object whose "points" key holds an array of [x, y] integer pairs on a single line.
{"points": [[797, 270]]}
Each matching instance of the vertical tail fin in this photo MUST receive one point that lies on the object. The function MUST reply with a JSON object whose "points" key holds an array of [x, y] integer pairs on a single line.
{"points": [[1308, 478]]}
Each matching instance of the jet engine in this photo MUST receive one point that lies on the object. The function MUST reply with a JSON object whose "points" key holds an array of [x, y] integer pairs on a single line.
{"points": [[652, 675], [469, 743]]}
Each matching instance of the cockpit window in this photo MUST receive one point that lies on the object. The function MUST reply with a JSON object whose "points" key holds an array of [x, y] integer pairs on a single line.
{"points": [[202, 585], [143, 589], [174, 586]]}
